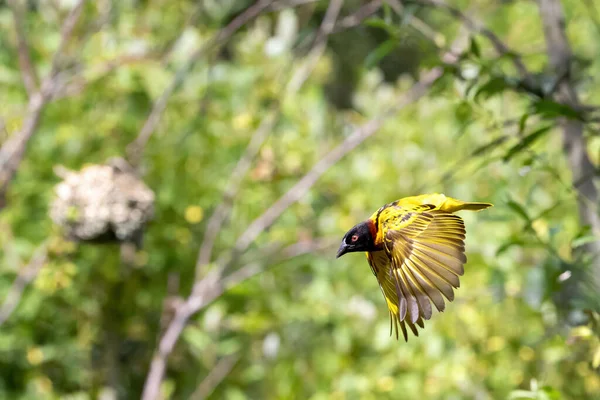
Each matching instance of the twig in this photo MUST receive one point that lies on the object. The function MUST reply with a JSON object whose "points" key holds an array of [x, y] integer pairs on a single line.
{"points": [[318, 46], [74, 85], [358, 17], [215, 376], [295, 250], [65, 37], [477, 27], [435, 37], [170, 303], [26, 275], [283, 4], [27, 69], [223, 209], [136, 148], [13, 149]]}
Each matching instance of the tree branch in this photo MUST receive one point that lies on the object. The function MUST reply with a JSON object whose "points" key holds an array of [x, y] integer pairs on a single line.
{"points": [[65, 36], [477, 27], [358, 17], [26, 275], [72, 86], [136, 148], [215, 377], [222, 211], [318, 47], [295, 250], [574, 145], [27, 70], [13, 150]]}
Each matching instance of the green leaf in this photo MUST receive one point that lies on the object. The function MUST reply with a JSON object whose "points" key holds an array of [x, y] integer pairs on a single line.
{"points": [[507, 245], [463, 112], [489, 146], [492, 87], [551, 393], [474, 48], [522, 394], [525, 142], [523, 122], [552, 109], [519, 209], [380, 52], [382, 24], [596, 359], [580, 241]]}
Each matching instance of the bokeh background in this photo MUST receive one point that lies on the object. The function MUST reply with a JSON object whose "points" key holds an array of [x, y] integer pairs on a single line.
{"points": [[266, 130]]}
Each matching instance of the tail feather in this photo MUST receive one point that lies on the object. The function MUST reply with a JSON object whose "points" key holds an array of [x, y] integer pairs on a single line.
{"points": [[474, 206], [444, 203]]}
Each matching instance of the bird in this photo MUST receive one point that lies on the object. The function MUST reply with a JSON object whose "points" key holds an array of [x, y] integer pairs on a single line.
{"points": [[416, 250]]}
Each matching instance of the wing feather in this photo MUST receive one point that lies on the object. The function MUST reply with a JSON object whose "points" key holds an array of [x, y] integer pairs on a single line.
{"points": [[413, 305], [422, 297], [422, 259]]}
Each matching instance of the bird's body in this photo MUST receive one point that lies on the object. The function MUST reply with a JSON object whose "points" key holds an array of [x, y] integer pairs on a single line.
{"points": [[415, 247]]}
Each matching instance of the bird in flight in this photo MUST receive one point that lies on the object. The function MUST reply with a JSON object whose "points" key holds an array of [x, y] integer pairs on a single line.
{"points": [[415, 247]]}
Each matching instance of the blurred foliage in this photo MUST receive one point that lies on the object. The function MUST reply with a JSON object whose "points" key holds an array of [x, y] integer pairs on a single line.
{"points": [[310, 327]]}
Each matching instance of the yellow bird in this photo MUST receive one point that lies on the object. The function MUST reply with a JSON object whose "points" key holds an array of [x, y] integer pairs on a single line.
{"points": [[415, 247]]}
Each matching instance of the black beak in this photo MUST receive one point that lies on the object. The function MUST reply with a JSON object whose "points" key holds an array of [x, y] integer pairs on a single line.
{"points": [[342, 250]]}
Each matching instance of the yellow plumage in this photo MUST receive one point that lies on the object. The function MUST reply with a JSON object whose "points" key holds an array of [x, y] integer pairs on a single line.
{"points": [[415, 247]]}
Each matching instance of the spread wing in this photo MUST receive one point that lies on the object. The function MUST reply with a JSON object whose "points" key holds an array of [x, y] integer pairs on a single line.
{"points": [[422, 260]]}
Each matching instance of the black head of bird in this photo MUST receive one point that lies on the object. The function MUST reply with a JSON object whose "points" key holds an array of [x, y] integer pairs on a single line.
{"points": [[358, 238]]}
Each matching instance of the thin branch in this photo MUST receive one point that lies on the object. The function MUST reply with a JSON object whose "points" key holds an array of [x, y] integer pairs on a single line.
{"points": [[358, 17], [318, 46], [136, 148], [26, 275], [65, 36], [477, 27], [283, 4], [418, 24], [222, 211], [13, 150], [295, 250], [215, 376], [72, 86], [27, 70]]}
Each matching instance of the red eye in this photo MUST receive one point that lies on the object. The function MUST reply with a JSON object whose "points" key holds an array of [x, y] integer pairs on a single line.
{"points": [[354, 238]]}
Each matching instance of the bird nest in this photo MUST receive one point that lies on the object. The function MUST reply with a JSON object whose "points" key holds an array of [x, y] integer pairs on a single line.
{"points": [[102, 203]]}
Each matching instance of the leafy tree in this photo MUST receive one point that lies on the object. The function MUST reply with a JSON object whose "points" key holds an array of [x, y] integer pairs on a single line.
{"points": [[266, 129]]}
